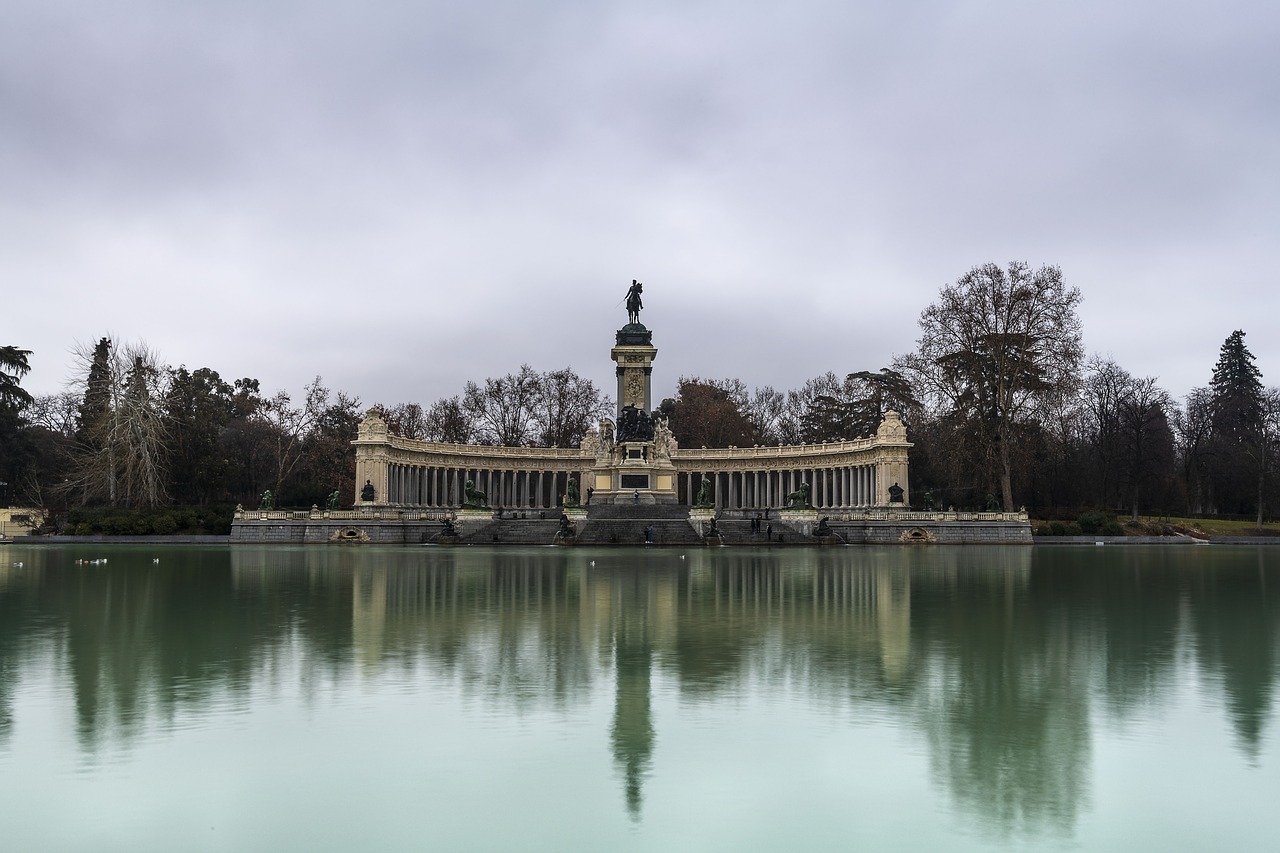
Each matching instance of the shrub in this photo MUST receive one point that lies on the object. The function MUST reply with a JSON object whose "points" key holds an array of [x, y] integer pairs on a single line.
{"points": [[1098, 523]]}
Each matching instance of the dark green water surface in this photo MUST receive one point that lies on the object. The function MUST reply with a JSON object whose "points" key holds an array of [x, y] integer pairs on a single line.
{"points": [[368, 698]]}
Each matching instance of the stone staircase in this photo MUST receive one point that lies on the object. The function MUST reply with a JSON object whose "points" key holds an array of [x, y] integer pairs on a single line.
{"points": [[625, 524], [513, 531], [737, 531]]}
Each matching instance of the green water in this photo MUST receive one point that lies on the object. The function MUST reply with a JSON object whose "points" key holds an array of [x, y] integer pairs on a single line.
{"points": [[345, 698]]}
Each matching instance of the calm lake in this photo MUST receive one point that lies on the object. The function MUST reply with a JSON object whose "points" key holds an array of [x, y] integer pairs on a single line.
{"points": [[426, 698]]}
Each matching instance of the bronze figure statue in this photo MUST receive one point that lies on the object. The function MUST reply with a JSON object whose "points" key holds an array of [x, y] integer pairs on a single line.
{"points": [[799, 499], [634, 304], [473, 497]]}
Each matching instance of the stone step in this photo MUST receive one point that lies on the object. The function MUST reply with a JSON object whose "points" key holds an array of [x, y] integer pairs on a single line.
{"points": [[673, 512], [513, 531], [737, 531], [631, 531]]}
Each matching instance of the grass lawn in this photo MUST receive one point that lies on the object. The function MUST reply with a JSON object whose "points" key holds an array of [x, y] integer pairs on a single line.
{"points": [[1150, 525]]}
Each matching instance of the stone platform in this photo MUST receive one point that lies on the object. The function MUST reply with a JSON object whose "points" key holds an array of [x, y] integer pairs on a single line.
{"points": [[625, 525]]}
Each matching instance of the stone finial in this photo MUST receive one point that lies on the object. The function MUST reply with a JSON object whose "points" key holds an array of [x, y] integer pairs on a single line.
{"points": [[891, 428], [373, 427]]}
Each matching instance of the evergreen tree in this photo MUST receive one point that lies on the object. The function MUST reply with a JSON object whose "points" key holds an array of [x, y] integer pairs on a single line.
{"points": [[13, 366], [96, 404], [1237, 390], [1237, 439]]}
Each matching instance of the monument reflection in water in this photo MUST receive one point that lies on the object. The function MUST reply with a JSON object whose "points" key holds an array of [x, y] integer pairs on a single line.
{"points": [[965, 696]]}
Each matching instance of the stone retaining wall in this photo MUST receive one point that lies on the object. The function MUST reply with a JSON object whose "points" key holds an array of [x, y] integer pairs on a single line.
{"points": [[886, 532], [411, 527]]}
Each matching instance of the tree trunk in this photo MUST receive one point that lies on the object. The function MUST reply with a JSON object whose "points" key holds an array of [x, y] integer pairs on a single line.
{"points": [[1261, 481], [1006, 475]]}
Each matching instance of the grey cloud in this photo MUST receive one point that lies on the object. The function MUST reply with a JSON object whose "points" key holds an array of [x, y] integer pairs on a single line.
{"points": [[793, 182]]}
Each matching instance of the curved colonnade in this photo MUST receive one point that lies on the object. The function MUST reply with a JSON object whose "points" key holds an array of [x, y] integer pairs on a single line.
{"points": [[842, 475]]}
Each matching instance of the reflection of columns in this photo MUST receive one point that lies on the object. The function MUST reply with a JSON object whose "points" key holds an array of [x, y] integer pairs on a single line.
{"points": [[632, 731]]}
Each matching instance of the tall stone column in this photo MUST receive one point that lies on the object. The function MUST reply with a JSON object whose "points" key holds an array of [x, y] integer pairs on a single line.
{"points": [[633, 357]]}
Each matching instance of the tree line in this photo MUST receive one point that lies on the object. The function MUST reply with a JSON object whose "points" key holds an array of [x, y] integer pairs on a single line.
{"points": [[134, 433], [1002, 404], [1005, 409]]}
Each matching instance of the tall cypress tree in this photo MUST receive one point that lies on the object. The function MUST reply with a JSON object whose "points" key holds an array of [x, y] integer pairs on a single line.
{"points": [[96, 404]]}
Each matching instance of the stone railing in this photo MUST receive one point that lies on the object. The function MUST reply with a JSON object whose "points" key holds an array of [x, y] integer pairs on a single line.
{"points": [[882, 513], [381, 513], [779, 451], [489, 451]]}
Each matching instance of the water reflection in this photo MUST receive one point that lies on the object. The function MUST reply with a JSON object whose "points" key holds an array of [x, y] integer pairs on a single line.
{"points": [[1002, 661]]}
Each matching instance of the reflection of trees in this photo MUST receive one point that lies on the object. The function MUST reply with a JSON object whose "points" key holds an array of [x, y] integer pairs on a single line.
{"points": [[1004, 706], [141, 640], [500, 623], [16, 616], [992, 653], [1234, 616]]}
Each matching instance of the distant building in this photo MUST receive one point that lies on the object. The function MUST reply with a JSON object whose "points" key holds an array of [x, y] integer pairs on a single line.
{"points": [[19, 521]]}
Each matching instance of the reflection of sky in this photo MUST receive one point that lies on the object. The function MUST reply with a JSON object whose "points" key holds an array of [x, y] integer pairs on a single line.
{"points": [[821, 699]]}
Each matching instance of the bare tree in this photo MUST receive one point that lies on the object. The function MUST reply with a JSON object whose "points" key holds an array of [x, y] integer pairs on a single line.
{"points": [[1268, 446], [798, 420], [1193, 431], [766, 411], [290, 426], [997, 350], [407, 420], [503, 410], [122, 451], [1105, 385], [55, 412], [1147, 437], [565, 407], [447, 420]]}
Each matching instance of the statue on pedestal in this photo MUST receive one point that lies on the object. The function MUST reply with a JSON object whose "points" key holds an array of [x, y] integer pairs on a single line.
{"points": [[799, 499], [634, 424], [473, 498], [634, 304]]}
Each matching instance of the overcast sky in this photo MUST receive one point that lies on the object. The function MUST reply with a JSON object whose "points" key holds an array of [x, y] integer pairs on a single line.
{"points": [[403, 196]]}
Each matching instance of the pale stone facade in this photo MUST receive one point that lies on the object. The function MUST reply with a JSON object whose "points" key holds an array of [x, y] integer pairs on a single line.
{"points": [[841, 475]]}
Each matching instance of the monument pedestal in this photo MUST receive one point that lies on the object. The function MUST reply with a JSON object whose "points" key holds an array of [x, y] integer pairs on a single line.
{"points": [[633, 457]]}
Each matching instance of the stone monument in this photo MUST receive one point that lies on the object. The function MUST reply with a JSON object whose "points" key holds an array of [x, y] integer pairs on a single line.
{"points": [[633, 456]]}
